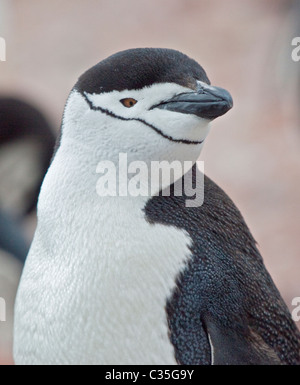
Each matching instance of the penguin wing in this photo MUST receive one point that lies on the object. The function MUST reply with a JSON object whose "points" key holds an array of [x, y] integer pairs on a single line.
{"points": [[233, 347], [225, 302]]}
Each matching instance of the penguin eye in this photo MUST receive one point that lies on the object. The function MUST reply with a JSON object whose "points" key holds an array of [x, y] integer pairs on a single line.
{"points": [[128, 102]]}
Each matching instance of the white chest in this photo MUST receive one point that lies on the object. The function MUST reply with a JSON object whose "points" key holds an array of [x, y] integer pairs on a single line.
{"points": [[97, 280]]}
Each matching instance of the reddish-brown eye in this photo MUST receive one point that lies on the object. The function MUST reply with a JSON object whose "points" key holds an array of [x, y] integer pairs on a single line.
{"points": [[128, 102]]}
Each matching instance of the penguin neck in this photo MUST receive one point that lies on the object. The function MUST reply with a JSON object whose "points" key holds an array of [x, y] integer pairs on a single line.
{"points": [[126, 174], [71, 201]]}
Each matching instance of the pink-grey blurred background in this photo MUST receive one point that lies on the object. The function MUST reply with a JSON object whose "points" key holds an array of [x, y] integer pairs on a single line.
{"points": [[253, 152]]}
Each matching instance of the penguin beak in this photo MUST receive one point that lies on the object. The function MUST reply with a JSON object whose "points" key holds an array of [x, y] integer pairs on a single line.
{"points": [[207, 102]]}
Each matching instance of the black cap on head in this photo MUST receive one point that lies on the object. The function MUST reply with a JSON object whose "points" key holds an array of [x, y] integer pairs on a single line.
{"points": [[137, 68]]}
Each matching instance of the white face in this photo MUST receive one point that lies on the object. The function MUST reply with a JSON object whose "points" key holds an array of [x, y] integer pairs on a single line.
{"points": [[103, 122]]}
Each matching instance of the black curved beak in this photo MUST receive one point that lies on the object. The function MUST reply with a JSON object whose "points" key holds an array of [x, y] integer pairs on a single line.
{"points": [[207, 102]]}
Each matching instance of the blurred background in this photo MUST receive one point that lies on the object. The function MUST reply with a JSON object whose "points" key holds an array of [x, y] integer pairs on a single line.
{"points": [[253, 152]]}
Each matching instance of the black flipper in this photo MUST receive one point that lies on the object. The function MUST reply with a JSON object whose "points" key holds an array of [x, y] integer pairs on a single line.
{"points": [[240, 346]]}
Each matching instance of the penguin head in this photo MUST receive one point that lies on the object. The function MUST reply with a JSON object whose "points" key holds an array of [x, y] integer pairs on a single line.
{"points": [[151, 103]]}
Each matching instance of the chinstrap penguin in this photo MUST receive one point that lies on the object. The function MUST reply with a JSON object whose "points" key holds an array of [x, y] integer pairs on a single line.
{"points": [[144, 280]]}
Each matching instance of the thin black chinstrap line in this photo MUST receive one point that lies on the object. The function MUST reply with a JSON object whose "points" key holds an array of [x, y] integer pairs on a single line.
{"points": [[109, 113]]}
